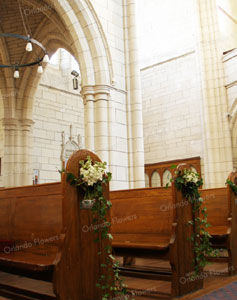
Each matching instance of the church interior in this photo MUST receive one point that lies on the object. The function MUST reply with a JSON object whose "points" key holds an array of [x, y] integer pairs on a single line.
{"points": [[118, 120]]}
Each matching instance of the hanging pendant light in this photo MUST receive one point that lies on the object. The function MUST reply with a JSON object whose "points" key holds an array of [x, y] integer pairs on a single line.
{"points": [[29, 40], [40, 69], [29, 47], [46, 58], [16, 74]]}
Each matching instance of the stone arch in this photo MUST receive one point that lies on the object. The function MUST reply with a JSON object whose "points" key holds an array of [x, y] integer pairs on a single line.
{"points": [[7, 83], [81, 28]]}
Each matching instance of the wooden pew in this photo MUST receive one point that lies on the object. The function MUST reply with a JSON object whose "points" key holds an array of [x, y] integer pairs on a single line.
{"points": [[153, 223], [41, 237], [221, 209]]}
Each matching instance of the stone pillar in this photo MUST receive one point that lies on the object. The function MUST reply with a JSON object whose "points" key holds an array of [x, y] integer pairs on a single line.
{"points": [[88, 96], [134, 100], [17, 168], [218, 161], [101, 122], [26, 149], [9, 167]]}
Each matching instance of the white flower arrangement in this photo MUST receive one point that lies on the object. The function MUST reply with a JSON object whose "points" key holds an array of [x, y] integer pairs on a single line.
{"points": [[190, 176], [92, 173]]}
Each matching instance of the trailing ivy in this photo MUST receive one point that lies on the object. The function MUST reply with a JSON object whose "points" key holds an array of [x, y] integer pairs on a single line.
{"points": [[89, 173], [232, 186], [188, 181]]}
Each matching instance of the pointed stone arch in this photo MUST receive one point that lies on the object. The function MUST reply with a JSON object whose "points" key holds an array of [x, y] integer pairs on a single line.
{"points": [[81, 34]]}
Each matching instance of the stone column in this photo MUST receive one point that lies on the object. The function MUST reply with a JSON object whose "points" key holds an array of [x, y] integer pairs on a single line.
{"points": [[88, 97], [26, 149], [218, 162], [101, 122], [17, 168], [134, 99], [9, 166]]}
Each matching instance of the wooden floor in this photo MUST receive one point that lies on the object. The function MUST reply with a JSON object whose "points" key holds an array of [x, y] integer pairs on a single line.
{"points": [[216, 277]]}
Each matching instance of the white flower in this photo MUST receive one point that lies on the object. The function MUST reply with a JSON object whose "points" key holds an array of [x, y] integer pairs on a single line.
{"points": [[191, 176], [91, 174]]}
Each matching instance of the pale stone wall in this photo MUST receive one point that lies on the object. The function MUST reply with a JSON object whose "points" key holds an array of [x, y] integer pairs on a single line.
{"points": [[171, 109], [111, 17], [167, 29], [190, 114], [56, 106], [227, 16]]}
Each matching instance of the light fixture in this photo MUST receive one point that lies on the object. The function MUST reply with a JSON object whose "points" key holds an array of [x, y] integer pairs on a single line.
{"points": [[75, 81], [75, 73], [44, 57], [29, 47], [40, 69], [16, 74]]}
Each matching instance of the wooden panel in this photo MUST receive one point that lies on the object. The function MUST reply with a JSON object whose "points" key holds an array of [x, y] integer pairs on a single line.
{"points": [[217, 204], [31, 212], [37, 217], [36, 190], [5, 218], [182, 253], [79, 267], [161, 167], [142, 215], [233, 236]]}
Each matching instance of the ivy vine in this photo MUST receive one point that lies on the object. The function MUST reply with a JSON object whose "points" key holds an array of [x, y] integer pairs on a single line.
{"points": [[232, 186], [188, 182]]}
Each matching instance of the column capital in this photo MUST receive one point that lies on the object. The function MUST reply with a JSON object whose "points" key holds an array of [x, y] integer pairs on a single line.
{"points": [[9, 123], [102, 89], [26, 124], [92, 92]]}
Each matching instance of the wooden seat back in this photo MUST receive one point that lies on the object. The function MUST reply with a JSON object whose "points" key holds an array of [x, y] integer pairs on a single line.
{"points": [[217, 203], [31, 213], [142, 216]]}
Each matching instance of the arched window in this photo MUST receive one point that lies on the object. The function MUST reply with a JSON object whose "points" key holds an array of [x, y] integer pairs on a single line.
{"points": [[155, 180], [146, 181], [166, 178]]}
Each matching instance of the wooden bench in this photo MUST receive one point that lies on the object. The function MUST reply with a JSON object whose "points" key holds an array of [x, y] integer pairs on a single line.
{"points": [[221, 207], [41, 236], [153, 223]]}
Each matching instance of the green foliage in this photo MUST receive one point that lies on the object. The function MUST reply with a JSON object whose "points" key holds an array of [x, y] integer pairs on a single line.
{"points": [[188, 182], [100, 210], [232, 186]]}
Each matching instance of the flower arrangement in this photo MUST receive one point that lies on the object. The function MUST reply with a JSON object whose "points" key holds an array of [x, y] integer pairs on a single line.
{"points": [[92, 177], [188, 181]]}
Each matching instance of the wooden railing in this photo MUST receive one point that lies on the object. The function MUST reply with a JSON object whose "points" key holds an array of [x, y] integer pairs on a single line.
{"points": [[164, 171]]}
